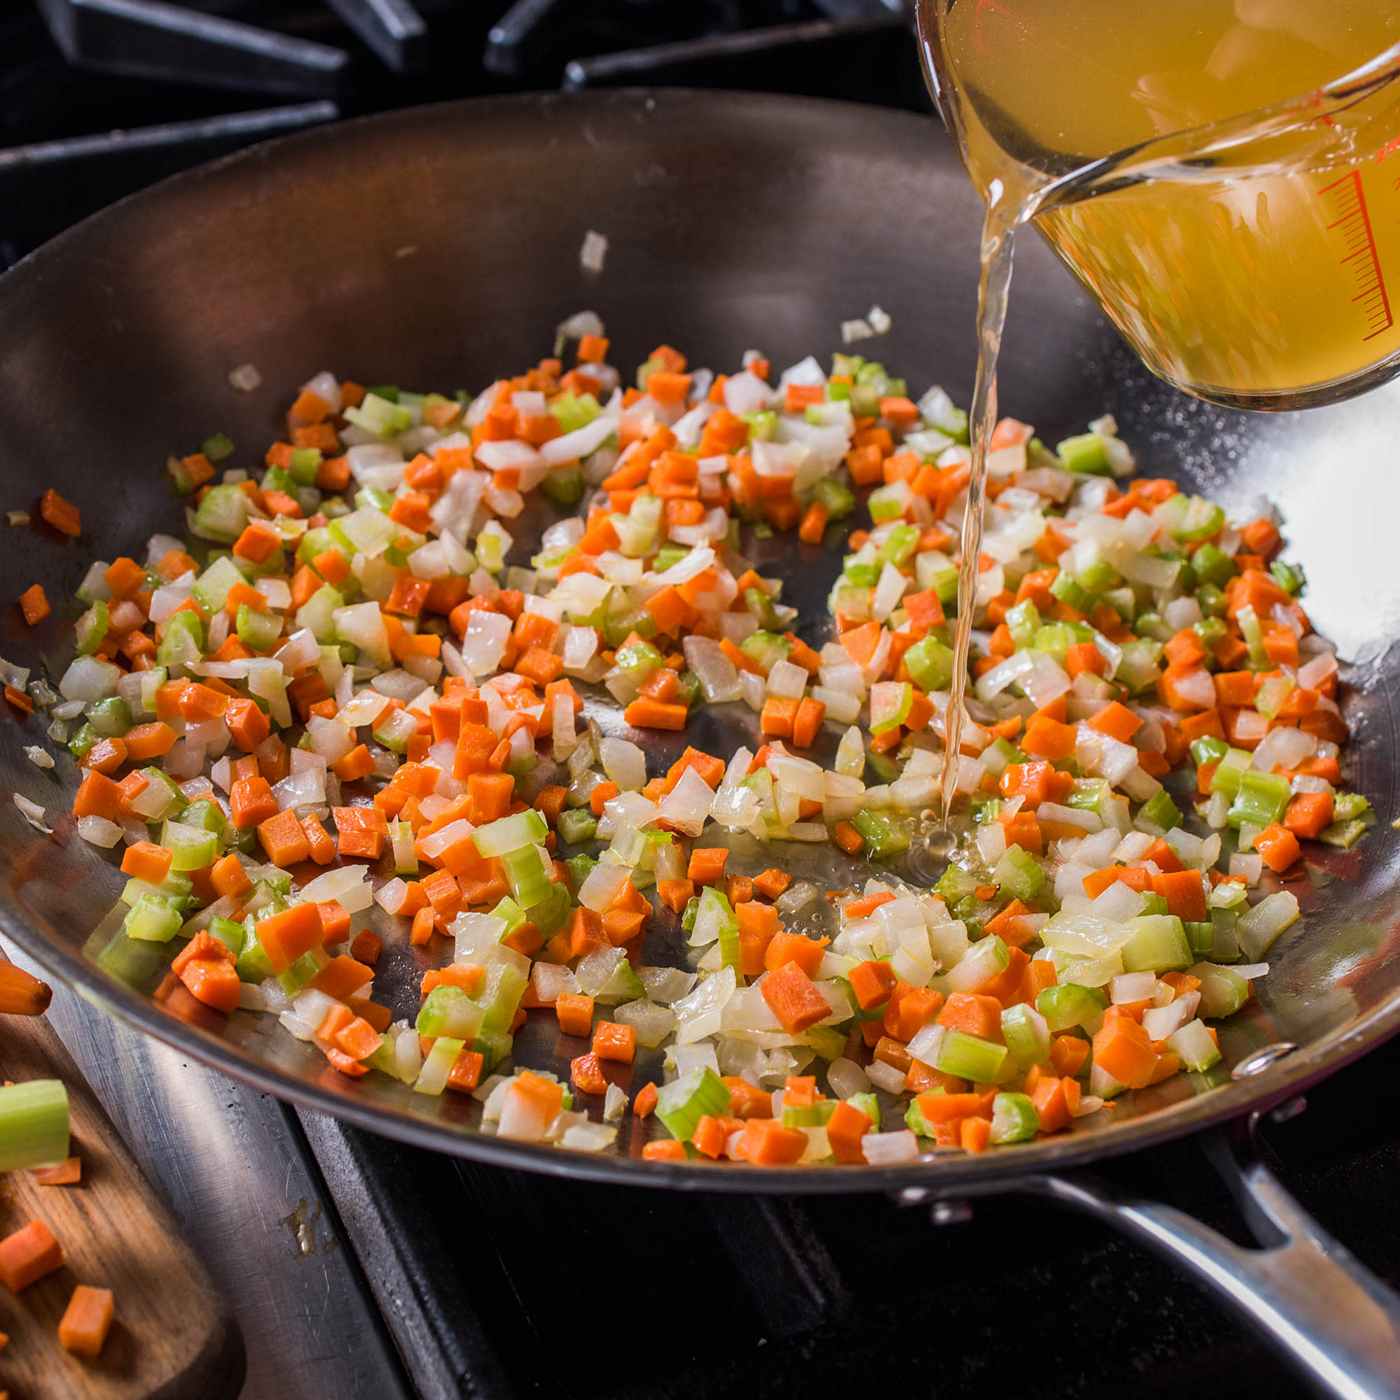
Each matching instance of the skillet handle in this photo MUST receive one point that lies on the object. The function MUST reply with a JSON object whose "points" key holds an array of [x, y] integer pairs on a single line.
{"points": [[1324, 1311]]}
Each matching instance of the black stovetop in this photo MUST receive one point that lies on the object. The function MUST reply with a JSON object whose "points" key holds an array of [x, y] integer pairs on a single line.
{"points": [[512, 1284], [495, 1283]]}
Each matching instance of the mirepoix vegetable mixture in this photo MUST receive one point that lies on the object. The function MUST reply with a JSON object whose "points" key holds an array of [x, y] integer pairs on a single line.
{"points": [[342, 673]]}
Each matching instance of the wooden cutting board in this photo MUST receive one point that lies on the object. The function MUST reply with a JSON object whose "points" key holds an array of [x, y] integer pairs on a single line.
{"points": [[172, 1336]]}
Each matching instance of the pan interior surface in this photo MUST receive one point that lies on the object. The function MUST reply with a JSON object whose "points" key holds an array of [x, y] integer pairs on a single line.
{"points": [[439, 248]]}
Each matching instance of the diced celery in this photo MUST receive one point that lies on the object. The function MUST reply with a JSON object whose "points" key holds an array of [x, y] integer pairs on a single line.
{"points": [[884, 836], [183, 643], [211, 588], [1160, 811], [230, 933], [258, 630], [574, 411], [955, 884], [813, 1115], [1086, 453], [1223, 990], [1196, 1046], [869, 1104], [1026, 1034], [497, 838], [111, 717], [153, 919], [1260, 798], [970, 1057], [1019, 874], [682, 1103], [448, 1010], [1014, 1118], [834, 496], [527, 875], [191, 847], [91, 628], [1158, 944], [1212, 565], [765, 649], [1070, 592], [1067, 1006], [437, 1065], [34, 1124], [1023, 621], [576, 826], [222, 514], [930, 663]]}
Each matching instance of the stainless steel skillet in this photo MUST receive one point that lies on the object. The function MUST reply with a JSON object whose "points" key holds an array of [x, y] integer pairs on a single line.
{"points": [[437, 246]]}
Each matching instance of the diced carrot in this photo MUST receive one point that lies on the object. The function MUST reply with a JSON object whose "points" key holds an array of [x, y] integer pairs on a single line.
{"points": [[283, 839], [977, 1015], [86, 1321], [766, 1143], [228, 876], [68, 1172], [99, 796], [1134, 877], [251, 802], [974, 1134], [664, 1149], [782, 948], [707, 864], [62, 514], [574, 1011], [615, 1041], [1069, 1054], [844, 1130], [144, 860], [645, 713], [675, 894], [1122, 1048], [872, 982], [1278, 846], [286, 935], [1048, 738], [807, 722], [34, 604], [247, 724], [27, 1255], [910, 1009], [358, 763], [1309, 813], [360, 831], [144, 741], [793, 998], [213, 981], [342, 977]]}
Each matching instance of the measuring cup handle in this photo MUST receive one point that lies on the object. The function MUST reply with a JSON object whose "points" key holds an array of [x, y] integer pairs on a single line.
{"points": [[1324, 1310]]}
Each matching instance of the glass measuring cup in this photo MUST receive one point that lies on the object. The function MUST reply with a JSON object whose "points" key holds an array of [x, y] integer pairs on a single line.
{"points": [[1252, 260]]}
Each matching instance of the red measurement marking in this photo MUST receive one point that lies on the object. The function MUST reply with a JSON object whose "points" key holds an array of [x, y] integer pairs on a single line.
{"points": [[1353, 221]]}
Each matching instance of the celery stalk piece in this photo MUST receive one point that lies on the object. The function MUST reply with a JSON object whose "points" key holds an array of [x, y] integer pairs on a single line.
{"points": [[970, 1057], [153, 919], [1014, 1118], [1067, 1005], [437, 1065], [511, 833], [33, 1124], [682, 1103], [449, 1011]]}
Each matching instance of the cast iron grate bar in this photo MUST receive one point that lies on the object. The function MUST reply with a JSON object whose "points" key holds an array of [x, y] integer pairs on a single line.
{"points": [[151, 39], [154, 39], [393, 29]]}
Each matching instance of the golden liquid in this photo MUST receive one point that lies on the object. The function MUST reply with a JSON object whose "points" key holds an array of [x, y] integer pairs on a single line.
{"points": [[1239, 238], [1268, 278]]}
